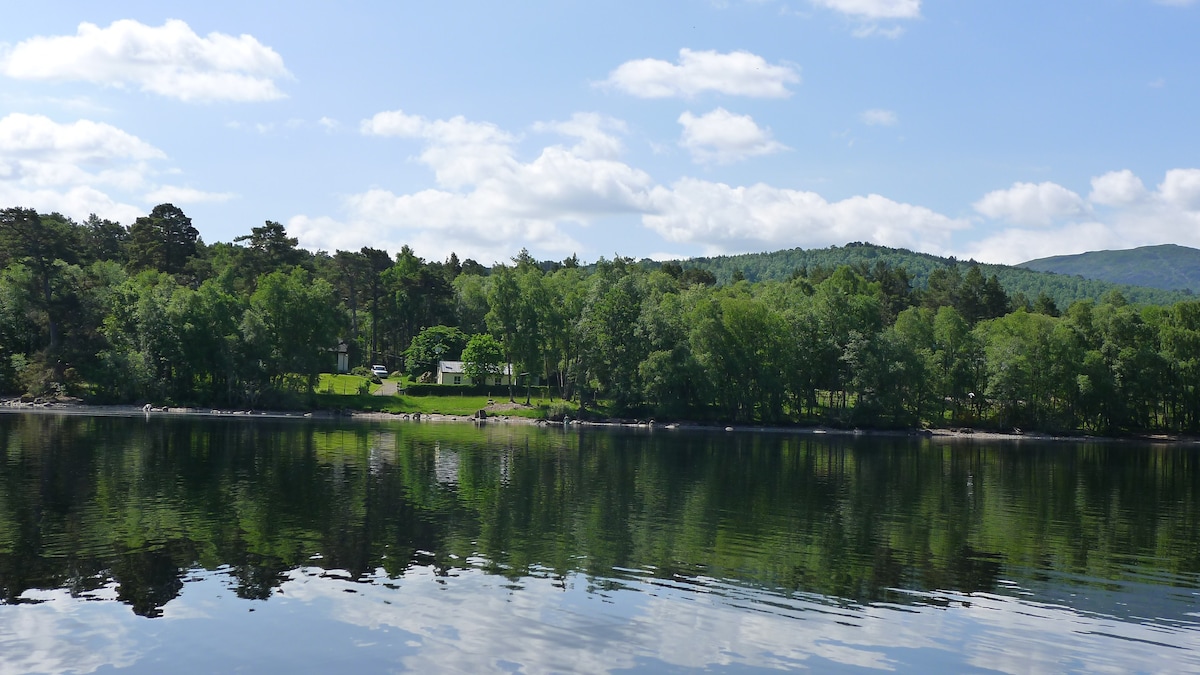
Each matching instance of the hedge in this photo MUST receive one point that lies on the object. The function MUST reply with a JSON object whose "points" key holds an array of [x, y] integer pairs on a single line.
{"points": [[489, 390]]}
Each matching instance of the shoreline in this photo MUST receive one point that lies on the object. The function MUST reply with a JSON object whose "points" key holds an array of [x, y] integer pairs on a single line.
{"points": [[937, 434]]}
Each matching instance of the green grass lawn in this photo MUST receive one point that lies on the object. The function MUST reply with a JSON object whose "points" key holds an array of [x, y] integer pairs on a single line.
{"points": [[342, 391], [343, 385]]}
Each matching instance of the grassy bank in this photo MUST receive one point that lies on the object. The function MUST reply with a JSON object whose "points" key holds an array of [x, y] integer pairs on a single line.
{"points": [[351, 392]]}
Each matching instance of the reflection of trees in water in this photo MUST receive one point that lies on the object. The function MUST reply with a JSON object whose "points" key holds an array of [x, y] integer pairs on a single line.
{"points": [[258, 576], [86, 501], [148, 580]]}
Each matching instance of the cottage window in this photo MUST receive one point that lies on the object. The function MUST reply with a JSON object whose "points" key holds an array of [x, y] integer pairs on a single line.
{"points": [[458, 379]]}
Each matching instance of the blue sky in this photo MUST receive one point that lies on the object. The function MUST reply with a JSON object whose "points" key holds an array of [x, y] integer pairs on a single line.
{"points": [[998, 130]]}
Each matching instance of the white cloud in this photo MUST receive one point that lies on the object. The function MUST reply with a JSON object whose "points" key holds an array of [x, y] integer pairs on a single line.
{"points": [[737, 73], [870, 12], [878, 117], [721, 136], [1181, 189], [329, 123], [1017, 245], [735, 219], [460, 152], [1117, 188], [1031, 204], [504, 203], [874, 9], [169, 60], [488, 202], [62, 167], [76, 202], [593, 131], [1134, 217], [37, 137], [83, 167], [53, 632]]}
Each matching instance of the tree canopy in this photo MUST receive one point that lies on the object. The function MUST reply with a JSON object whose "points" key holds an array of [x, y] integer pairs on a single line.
{"points": [[152, 313]]}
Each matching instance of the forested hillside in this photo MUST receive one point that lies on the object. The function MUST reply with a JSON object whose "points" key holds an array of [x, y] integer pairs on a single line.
{"points": [[1064, 288], [150, 312], [1168, 266]]}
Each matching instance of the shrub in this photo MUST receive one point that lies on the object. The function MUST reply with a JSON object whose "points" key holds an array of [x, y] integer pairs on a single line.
{"points": [[557, 411], [491, 390]]}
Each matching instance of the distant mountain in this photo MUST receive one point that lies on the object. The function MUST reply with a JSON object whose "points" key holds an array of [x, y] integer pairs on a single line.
{"points": [[1169, 267], [1064, 289]]}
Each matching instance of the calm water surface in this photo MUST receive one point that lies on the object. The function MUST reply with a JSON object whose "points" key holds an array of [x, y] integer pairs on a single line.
{"points": [[217, 545]]}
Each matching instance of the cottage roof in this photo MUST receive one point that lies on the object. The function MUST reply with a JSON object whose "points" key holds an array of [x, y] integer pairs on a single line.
{"points": [[456, 368]]}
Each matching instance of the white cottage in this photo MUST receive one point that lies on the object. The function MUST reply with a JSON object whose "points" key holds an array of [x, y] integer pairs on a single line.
{"points": [[451, 372]]}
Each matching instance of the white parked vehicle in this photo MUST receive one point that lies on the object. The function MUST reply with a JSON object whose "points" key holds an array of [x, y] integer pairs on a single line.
{"points": [[379, 371]]}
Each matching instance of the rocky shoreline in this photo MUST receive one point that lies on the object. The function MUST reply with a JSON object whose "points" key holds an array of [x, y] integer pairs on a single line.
{"points": [[76, 407]]}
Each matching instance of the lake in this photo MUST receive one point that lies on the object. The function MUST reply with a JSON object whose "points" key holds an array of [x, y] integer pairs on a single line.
{"points": [[159, 543]]}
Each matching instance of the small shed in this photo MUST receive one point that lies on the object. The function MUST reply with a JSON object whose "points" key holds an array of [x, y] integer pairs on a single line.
{"points": [[343, 356]]}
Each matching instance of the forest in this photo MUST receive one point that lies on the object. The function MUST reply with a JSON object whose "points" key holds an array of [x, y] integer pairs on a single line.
{"points": [[150, 312]]}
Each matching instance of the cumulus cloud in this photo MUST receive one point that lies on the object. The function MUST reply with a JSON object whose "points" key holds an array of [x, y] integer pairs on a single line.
{"points": [[1117, 188], [169, 60], [1031, 204], [487, 199], [874, 9], [869, 12], [737, 73], [1016, 245], [733, 219], [37, 137], [877, 117], [82, 167], [723, 137], [459, 151], [62, 167], [597, 134], [1181, 189], [1132, 216], [488, 208]]}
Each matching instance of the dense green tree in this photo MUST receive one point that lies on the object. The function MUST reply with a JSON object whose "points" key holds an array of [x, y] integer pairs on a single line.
{"points": [[268, 248], [377, 262], [417, 295], [433, 344], [537, 318], [695, 275], [350, 276], [1019, 352], [610, 348], [291, 325], [483, 358], [165, 240], [850, 343], [567, 290], [741, 340], [504, 315], [105, 239], [45, 246]]}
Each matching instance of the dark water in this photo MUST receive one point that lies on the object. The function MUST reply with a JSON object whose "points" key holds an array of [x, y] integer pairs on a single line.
{"points": [[194, 545]]}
